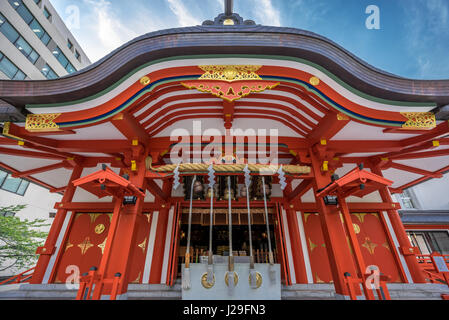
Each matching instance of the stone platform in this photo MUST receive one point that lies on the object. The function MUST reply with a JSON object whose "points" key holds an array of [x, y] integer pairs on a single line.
{"points": [[163, 292]]}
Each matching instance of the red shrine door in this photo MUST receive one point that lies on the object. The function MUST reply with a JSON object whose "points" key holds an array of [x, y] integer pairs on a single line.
{"points": [[85, 243]]}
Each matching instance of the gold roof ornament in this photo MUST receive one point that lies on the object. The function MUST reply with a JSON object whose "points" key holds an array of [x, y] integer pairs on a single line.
{"points": [[42, 122], [230, 73], [419, 120]]}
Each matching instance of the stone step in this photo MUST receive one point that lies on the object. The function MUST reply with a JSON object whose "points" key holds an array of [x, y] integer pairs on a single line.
{"points": [[163, 292]]}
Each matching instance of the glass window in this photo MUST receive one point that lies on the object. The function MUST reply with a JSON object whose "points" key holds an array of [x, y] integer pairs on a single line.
{"points": [[3, 175], [48, 72], [47, 13], [8, 68], [23, 46], [70, 68], [37, 1], [52, 75], [45, 38], [19, 76], [22, 10], [37, 28], [23, 187], [8, 214], [11, 184], [33, 57], [9, 32], [77, 55], [2, 19], [69, 44]]}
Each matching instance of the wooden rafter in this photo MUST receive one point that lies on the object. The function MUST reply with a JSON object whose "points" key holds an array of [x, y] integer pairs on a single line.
{"points": [[130, 127], [51, 167]]}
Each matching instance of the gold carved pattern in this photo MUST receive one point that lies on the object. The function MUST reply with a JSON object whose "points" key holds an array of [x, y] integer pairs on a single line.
{"points": [[6, 127], [369, 245], [42, 122], [314, 81], [356, 228], [85, 245], [312, 245], [145, 81], [102, 245], [386, 245], [419, 120], [230, 73], [318, 280], [93, 217], [68, 246], [230, 91], [360, 216], [306, 216], [143, 245], [138, 278], [99, 229]]}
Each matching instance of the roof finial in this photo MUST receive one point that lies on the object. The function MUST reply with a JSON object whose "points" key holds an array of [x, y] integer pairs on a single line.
{"points": [[229, 17], [228, 6]]}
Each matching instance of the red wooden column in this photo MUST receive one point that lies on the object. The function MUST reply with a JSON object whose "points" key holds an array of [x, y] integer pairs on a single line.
{"points": [[340, 258], [159, 245], [295, 243], [123, 234], [405, 247], [161, 235], [49, 248]]}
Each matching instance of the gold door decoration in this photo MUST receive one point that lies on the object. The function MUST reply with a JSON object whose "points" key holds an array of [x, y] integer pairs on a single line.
{"points": [[99, 229], [85, 245], [369, 245], [143, 245], [102, 245]]}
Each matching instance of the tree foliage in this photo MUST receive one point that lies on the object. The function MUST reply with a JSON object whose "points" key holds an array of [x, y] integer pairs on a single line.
{"points": [[19, 239]]}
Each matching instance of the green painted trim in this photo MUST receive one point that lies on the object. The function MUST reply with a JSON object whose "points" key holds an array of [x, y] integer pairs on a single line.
{"points": [[331, 75]]}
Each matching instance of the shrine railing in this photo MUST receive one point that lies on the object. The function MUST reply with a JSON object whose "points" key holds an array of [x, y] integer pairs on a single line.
{"points": [[20, 278], [426, 260]]}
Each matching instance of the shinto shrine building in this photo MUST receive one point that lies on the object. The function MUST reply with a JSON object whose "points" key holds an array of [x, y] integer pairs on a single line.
{"points": [[226, 159]]}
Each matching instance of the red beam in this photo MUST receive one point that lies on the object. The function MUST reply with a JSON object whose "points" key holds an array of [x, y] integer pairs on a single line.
{"points": [[155, 190], [420, 180], [38, 182], [39, 170], [421, 155], [434, 134], [31, 154], [99, 206], [353, 206], [7, 141], [300, 190], [130, 128], [415, 170], [328, 127]]}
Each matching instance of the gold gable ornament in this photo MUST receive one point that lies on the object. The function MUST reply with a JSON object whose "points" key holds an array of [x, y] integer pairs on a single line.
{"points": [[42, 122], [419, 120]]}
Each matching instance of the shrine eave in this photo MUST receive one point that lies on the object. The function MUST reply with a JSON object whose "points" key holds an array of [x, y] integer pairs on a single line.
{"points": [[227, 41]]}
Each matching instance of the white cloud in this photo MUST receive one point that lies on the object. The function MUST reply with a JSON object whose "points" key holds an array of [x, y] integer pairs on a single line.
{"points": [[102, 32], [427, 21], [266, 13], [184, 17]]}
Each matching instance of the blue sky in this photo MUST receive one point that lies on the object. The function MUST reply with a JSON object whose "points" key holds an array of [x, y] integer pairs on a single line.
{"points": [[413, 39]]}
